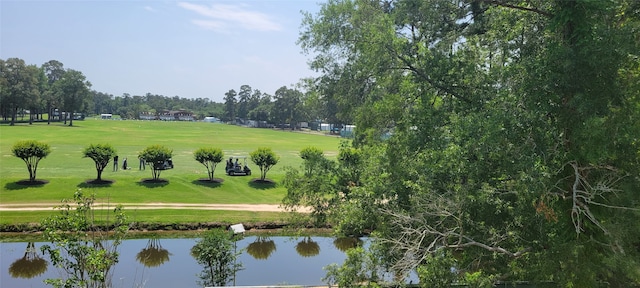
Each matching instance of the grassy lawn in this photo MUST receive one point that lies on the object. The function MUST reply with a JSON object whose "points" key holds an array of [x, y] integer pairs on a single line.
{"points": [[66, 169]]}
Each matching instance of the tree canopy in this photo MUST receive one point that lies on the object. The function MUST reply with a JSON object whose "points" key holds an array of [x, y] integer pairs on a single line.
{"points": [[209, 157], [500, 135], [156, 157], [264, 158], [101, 154], [31, 152]]}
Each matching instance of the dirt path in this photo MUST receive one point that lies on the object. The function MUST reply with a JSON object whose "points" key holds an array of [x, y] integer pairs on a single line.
{"points": [[135, 206]]}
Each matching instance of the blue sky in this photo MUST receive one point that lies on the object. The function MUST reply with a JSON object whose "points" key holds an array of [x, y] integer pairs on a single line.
{"points": [[190, 49]]}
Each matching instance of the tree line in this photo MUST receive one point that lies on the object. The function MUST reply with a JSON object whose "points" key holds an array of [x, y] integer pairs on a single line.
{"points": [[52, 89]]}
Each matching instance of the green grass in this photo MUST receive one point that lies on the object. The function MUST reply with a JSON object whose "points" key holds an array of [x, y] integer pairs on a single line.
{"points": [[159, 216], [66, 169]]}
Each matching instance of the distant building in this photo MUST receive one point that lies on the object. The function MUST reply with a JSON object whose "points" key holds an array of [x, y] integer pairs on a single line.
{"points": [[147, 116], [168, 115]]}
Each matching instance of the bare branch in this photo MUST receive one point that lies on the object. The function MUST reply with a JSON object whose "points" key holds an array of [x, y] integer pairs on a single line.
{"points": [[436, 226], [583, 193]]}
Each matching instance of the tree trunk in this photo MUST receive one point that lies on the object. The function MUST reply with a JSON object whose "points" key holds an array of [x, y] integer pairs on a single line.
{"points": [[14, 113], [32, 172]]}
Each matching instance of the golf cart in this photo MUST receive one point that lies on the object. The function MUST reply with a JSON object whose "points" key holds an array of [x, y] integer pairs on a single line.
{"points": [[234, 168], [163, 165]]}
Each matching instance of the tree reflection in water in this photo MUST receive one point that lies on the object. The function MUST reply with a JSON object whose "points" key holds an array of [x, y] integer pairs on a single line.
{"points": [[153, 255], [30, 265], [262, 248], [308, 247], [345, 243]]}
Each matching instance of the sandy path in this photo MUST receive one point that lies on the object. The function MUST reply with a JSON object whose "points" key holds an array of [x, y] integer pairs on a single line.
{"points": [[134, 206]]}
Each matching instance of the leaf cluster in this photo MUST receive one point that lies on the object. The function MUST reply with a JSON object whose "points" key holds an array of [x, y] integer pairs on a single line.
{"points": [[155, 153], [27, 149]]}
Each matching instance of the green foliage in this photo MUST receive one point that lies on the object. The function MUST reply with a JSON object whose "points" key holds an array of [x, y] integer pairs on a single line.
{"points": [[20, 86], [349, 168], [356, 216], [264, 158], [79, 247], [438, 271], [287, 107], [216, 251], [478, 279], [313, 158], [314, 189], [209, 157], [230, 106], [331, 190], [359, 269], [31, 152], [73, 90], [504, 131], [155, 156], [101, 154]]}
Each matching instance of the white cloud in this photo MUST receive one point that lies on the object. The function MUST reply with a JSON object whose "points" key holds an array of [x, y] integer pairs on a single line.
{"points": [[210, 25], [223, 15], [149, 8]]}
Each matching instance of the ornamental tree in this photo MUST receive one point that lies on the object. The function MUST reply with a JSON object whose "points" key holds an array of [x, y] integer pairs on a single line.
{"points": [[209, 157], [31, 152], [101, 154], [156, 156], [264, 158]]}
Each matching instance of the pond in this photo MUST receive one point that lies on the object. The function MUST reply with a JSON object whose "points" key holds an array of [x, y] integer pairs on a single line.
{"points": [[266, 261]]}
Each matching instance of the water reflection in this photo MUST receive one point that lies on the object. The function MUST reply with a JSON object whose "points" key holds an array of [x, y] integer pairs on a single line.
{"points": [[30, 265], [284, 265], [308, 247], [153, 255], [345, 243], [261, 248]]}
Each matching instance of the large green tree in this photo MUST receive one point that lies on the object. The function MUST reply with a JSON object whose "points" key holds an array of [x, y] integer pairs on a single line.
{"points": [[73, 89], [19, 86], [53, 70], [287, 107], [230, 104], [511, 132], [244, 96]]}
